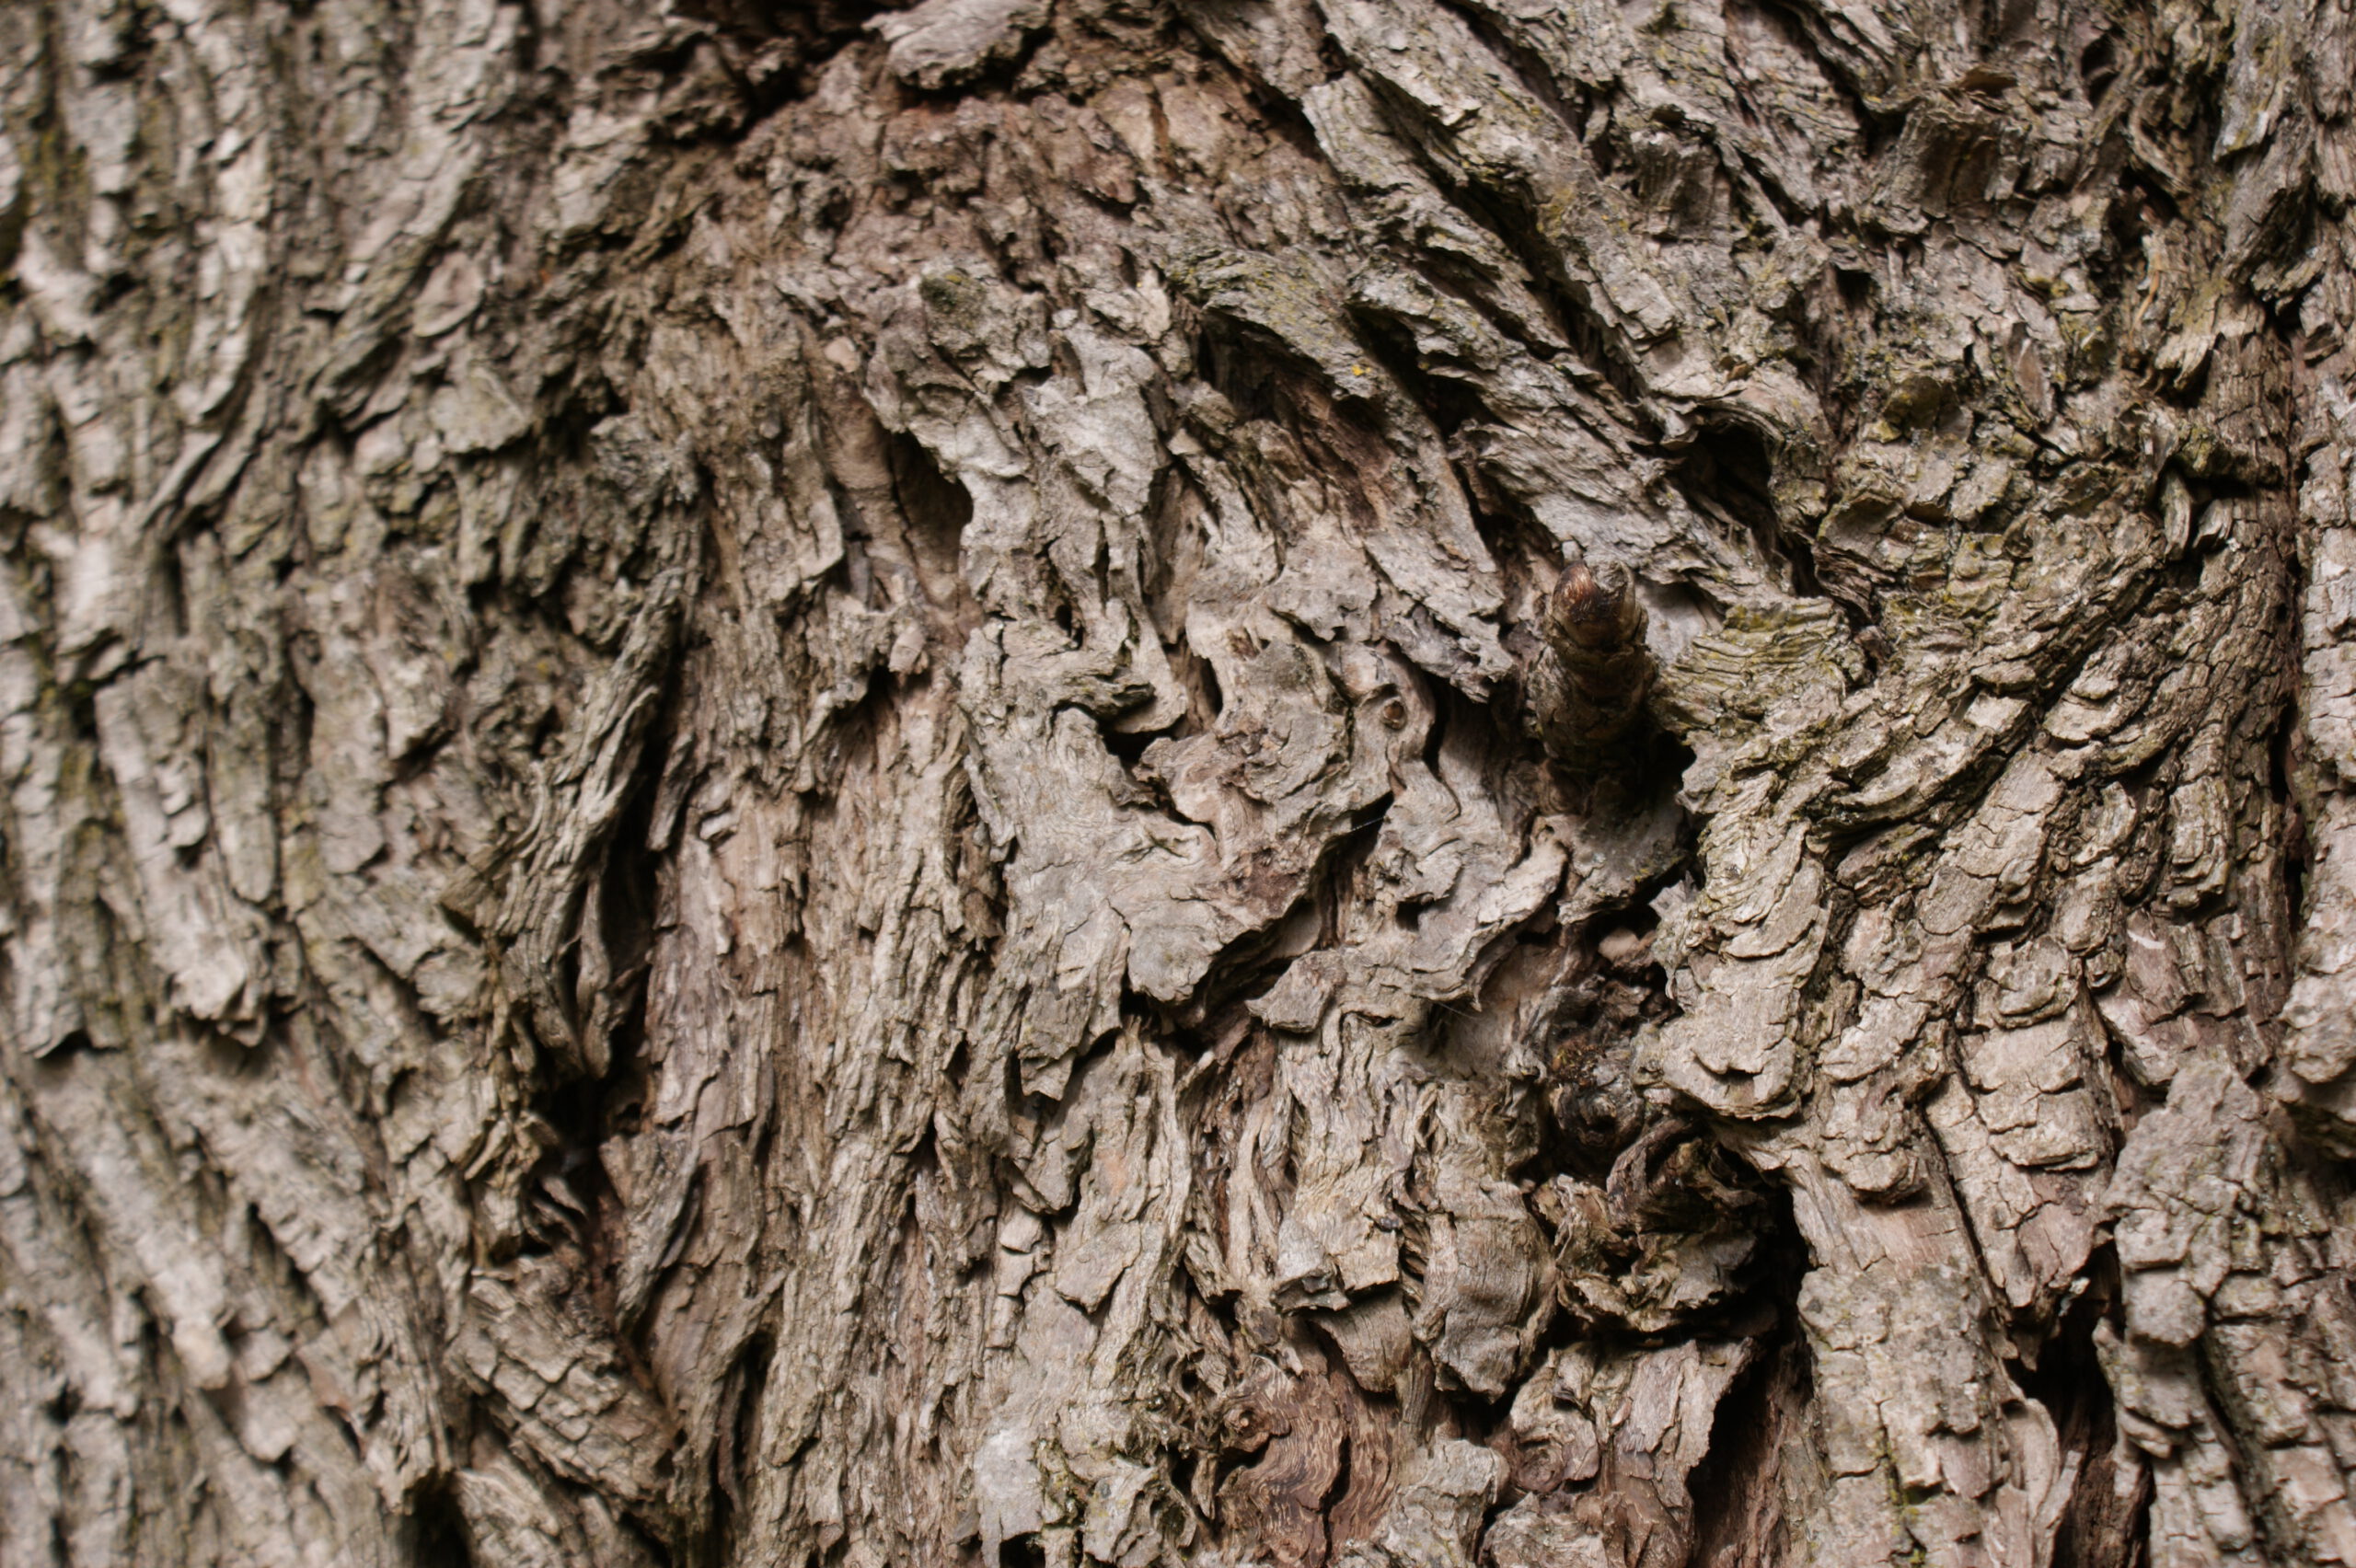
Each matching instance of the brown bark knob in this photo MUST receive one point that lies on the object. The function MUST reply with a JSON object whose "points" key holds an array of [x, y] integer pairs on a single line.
{"points": [[1587, 686]]}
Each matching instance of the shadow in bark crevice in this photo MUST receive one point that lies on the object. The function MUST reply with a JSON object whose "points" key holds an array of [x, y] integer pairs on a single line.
{"points": [[1527, 555], [573, 1205], [775, 48], [2103, 1523], [1728, 1511], [1727, 474], [439, 1529], [1760, 1427], [1248, 966], [935, 510], [736, 1456]]}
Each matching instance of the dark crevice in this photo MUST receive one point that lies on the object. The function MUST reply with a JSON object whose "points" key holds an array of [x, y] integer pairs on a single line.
{"points": [[2287, 762], [2098, 68], [1738, 1489], [1024, 1551], [1248, 966], [440, 1529], [1761, 1427], [736, 1456], [1728, 475], [1281, 115], [1128, 746], [1436, 735], [1804, 29], [1244, 364], [1528, 556], [1447, 401], [573, 1205], [792, 41], [2101, 1526]]}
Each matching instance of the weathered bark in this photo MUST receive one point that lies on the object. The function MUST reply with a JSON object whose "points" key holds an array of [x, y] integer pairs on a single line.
{"points": [[1306, 783]]}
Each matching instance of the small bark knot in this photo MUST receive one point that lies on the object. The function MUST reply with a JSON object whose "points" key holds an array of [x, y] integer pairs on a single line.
{"points": [[1588, 682]]}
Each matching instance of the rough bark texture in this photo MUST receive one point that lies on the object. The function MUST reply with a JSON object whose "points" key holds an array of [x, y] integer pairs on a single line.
{"points": [[1388, 783]]}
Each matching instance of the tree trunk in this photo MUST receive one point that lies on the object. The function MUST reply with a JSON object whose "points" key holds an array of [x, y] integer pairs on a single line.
{"points": [[1391, 783]]}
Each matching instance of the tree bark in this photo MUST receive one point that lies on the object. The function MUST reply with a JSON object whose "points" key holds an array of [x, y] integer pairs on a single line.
{"points": [[1379, 783]]}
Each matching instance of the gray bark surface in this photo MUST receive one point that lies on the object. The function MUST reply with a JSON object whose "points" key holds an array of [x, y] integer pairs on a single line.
{"points": [[1376, 783]]}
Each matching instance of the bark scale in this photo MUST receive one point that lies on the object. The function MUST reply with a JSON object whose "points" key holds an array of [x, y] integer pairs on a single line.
{"points": [[1360, 782]]}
